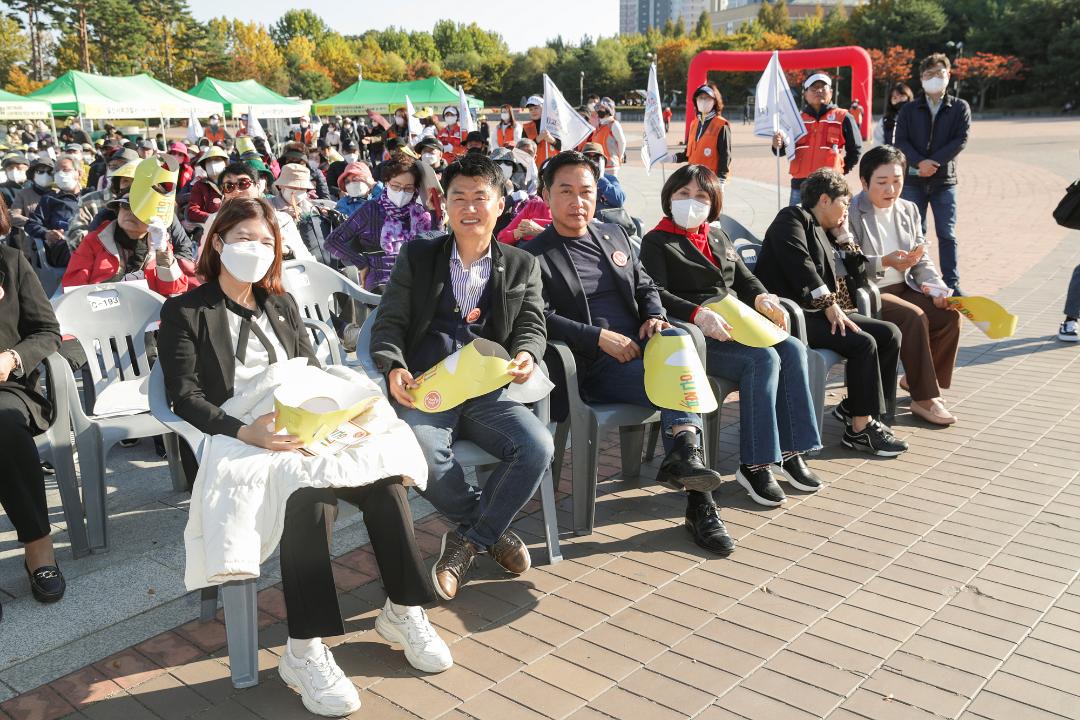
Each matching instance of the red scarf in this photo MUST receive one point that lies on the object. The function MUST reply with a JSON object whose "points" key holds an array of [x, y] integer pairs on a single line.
{"points": [[699, 238]]}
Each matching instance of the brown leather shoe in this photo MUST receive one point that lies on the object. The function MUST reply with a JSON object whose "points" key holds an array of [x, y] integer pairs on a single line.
{"points": [[510, 552], [455, 559]]}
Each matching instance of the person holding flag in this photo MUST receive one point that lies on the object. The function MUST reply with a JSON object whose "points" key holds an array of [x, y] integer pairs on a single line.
{"points": [[832, 138], [709, 143], [508, 131], [609, 136], [449, 134], [546, 143]]}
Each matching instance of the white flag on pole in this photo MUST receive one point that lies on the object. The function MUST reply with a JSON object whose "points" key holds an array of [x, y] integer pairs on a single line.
{"points": [[415, 128], [775, 109], [194, 129], [654, 147], [466, 121], [560, 118], [254, 127]]}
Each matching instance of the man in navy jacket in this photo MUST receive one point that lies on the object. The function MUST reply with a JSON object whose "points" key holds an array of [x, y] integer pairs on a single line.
{"points": [[931, 131]]}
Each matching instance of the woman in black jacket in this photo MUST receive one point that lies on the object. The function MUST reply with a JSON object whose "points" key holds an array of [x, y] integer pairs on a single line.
{"points": [[696, 262], [28, 333]]}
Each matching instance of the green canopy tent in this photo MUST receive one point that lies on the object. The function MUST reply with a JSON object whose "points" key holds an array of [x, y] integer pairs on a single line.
{"points": [[107, 97], [16, 107], [239, 97], [364, 95]]}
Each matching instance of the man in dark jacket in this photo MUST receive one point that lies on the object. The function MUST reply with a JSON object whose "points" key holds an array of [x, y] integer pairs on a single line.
{"points": [[49, 222], [445, 293], [601, 302], [931, 131]]}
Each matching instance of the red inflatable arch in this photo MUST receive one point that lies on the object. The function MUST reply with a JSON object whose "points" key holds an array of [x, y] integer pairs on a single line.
{"points": [[733, 61]]}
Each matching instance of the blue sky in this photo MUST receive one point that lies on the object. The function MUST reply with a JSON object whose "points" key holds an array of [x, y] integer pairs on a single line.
{"points": [[522, 24]]}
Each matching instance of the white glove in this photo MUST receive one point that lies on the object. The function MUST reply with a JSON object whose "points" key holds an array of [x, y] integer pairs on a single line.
{"points": [[158, 235], [448, 148], [712, 324]]}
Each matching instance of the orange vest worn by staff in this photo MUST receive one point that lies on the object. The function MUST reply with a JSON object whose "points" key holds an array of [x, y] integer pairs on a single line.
{"points": [[451, 135], [505, 136], [823, 144], [702, 151], [301, 135], [606, 139], [214, 136], [544, 150]]}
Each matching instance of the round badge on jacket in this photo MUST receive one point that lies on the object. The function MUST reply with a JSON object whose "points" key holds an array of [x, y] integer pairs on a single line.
{"points": [[708, 152], [473, 315], [619, 258]]}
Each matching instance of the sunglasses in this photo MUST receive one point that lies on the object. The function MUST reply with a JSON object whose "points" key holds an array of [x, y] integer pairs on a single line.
{"points": [[231, 186]]}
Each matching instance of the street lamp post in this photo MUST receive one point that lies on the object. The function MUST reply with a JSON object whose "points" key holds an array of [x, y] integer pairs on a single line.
{"points": [[581, 89], [958, 52]]}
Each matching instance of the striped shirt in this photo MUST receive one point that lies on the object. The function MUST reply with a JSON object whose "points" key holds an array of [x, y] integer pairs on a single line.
{"points": [[468, 283]]}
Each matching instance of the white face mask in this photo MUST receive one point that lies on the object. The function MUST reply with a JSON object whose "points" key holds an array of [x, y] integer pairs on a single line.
{"points": [[398, 120], [505, 116], [450, 119], [293, 195], [506, 170], [357, 189], [214, 168], [67, 180], [16, 176], [430, 158], [398, 197], [607, 120], [689, 213], [43, 179], [350, 157], [247, 261], [705, 105], [935, 85]]}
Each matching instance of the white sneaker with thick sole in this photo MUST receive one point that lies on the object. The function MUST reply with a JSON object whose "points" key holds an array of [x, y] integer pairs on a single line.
{"points": [[322, 686], [1068, 332], [423, 647]]}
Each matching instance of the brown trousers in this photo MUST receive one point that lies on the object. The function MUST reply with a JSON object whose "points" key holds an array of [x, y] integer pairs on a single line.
{"points": [[930, 339]]}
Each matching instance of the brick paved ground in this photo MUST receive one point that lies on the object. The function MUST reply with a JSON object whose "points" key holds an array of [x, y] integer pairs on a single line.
{"points": [[940, 584]]}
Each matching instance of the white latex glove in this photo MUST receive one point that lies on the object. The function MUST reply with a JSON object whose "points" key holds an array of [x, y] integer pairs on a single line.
{"points": [[448, 148], [158, 235], [712, 325]]}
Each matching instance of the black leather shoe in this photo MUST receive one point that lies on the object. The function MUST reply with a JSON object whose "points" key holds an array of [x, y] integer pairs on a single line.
{"points": [[801, 477], [705, 526], [159, 447], [47, 583], [762, 486], [684, 466]]}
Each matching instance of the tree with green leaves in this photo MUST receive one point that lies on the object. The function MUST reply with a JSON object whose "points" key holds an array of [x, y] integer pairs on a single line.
{"points": [[14, 47], [298, 23], [774, 17], [37, 14], [703, 29], [917, 24]]}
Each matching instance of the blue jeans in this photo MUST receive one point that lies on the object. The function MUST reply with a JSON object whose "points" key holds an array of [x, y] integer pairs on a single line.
{"points": [[1072, 300], [606, 380], [941, 199], [504, 428], [776, 411]]}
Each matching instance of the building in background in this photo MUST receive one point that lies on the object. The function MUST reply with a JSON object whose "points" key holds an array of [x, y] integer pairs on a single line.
{"points": [[689, 11], [637, 16], [729, 15]]}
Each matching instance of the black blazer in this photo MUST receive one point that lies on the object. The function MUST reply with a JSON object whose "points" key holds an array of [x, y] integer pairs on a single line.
{"points": [[796, 257], [675, 264], [197, 352], [566, 307], [29, 327], [417, 280]]}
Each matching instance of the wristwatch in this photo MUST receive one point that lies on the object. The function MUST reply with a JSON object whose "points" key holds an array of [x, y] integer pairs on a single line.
{"points": [[16, 361]]}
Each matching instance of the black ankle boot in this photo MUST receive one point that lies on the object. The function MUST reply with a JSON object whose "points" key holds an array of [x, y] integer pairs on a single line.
{"points": [[684, 466], [705, 526]]}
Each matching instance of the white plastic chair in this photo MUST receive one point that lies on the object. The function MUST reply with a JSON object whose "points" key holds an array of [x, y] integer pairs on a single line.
{"points": [[314, 285], [55, 446], [110, 322]]}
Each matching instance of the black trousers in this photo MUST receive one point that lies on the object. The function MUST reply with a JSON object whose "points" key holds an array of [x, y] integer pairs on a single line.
{"points": [[22, 483], [307, 579], [872, 355]]}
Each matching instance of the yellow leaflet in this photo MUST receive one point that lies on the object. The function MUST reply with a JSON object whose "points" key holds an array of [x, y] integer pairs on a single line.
{"points": [[748, 326], [314, 403], [476, 369], [990, 317], [674, 377]]}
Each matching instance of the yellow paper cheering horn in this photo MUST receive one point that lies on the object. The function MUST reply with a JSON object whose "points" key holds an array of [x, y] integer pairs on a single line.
{"points": [[990, 317], [674, 376], [748, 326]]}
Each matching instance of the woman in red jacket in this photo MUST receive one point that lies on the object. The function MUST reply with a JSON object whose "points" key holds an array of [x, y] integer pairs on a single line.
{"points": [[127, 249], [205, 198]]}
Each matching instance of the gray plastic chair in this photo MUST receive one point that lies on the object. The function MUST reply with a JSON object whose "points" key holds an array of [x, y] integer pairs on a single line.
{"points": [[110, 322], [49, 276], [314, 285], [238, 598], [584, 425], [469, 454], [55, 446]]}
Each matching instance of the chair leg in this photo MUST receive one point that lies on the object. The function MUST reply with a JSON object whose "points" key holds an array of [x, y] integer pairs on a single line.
{"points": [[818, 374], [584, 447], [712, 438], [562, 431], [66, 481], [654, 438], [176, 468], [631, 440], [92, 465], [208, 602], [551, 518], [242, 630]]}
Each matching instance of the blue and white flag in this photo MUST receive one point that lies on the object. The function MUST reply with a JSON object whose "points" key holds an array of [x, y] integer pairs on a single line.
{"points": [[561, 119], [654, 146], [775, 109]]}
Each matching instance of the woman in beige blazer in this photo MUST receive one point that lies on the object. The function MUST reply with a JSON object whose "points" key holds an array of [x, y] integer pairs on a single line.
{"points": [[888, 230]]}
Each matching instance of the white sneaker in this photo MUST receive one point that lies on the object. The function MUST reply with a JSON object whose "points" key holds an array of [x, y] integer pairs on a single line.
{"points": [[1067, 332], [322, 686], [423, 647]]}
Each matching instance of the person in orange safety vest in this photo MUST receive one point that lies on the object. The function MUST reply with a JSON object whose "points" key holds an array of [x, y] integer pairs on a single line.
{"points": [[547, 145], [215, 132], [832, 138], [709, 141]]}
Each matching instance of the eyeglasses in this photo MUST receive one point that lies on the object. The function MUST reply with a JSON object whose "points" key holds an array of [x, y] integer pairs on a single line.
{"points": [[231, 186], [942, 72], [401, 188]]}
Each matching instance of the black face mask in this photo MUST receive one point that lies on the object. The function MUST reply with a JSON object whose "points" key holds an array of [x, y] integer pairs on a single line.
{"points": [[475, 151]]}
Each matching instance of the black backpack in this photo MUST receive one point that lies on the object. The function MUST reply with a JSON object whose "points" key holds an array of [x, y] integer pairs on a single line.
{"points": [[1067, 213]]}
